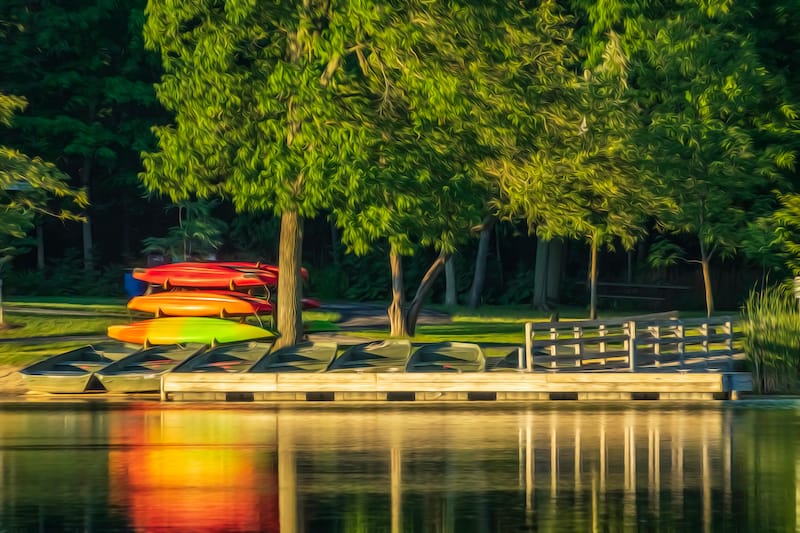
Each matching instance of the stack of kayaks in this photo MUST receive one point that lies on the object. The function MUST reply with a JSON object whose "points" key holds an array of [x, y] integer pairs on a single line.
{"points": [[191, 293], [209, 289]]}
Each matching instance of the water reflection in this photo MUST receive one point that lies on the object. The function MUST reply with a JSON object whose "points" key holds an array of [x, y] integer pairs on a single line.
{"points": [[149, 467]]}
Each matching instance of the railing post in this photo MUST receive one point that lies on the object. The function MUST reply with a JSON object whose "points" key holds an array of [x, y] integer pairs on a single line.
{"points": [[729, 341], [680, 332], [704, 333], [529, 346], [632, 345]]}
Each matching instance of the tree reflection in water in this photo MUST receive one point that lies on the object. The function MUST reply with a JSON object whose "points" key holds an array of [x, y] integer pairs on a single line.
{"points": [[543, 467]]}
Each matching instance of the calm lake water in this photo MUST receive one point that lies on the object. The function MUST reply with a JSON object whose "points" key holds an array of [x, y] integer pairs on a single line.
{"points": [[544, 467]]}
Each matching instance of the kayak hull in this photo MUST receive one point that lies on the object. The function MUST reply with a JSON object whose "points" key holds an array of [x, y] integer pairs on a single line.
{"points": [[73, 371], [175, 330], [142, 371], [199, 304], [204, 276]]}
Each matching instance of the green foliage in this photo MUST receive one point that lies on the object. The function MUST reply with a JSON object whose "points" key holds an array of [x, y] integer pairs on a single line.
{"points": [[26, 188], [785, 222], [663, 253], [88, 80], [198, 233], [256, 233], [66, 277], [771, 327], [702, 81]]}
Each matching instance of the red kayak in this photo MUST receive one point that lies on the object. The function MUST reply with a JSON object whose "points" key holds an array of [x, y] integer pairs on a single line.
{"points": [[204, 276], [257, 266]]}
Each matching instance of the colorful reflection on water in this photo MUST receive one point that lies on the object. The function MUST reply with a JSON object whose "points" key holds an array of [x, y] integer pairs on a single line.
{"points": [[543, 467]]}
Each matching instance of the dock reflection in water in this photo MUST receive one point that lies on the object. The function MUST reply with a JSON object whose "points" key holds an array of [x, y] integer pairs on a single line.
{"points": [[146, 467]]}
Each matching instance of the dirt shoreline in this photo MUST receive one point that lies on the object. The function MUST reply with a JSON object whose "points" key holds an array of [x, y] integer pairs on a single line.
{"points": [[10, 381]]}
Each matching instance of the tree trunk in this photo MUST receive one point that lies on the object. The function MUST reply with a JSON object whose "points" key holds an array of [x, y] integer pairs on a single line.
{"points": [[336, 245], [541, 271], [479, 277], [554, 270], [593, 282], [290, 287], [424, 288], [451, 294], [397, 316], [125, 229], [88, 259], [2, 315], [705, 259], [40, 246]]}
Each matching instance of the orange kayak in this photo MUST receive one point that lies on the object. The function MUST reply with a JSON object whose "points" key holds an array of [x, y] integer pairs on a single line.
{"points": [[199, 303], [181, 330]]}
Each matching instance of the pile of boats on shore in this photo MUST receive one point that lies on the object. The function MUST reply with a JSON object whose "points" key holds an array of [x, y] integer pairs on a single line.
{"points": [[126, 368], [200, 326]]}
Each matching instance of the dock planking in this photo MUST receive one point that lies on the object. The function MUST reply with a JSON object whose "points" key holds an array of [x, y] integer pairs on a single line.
{"points": [[486, 386]]}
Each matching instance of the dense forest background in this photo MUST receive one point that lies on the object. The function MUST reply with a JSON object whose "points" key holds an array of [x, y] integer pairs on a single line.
{"points": [[88, 82]]}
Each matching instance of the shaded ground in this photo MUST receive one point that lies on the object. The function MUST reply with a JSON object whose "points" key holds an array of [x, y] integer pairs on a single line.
{"points": [[360, 316]]}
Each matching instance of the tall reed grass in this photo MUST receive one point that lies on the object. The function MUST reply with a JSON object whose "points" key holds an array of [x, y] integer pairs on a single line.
{"points": [[771, 327]]}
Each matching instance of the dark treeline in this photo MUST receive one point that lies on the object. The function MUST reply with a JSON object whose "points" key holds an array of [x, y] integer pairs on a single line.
{"points": [[648, 143]]}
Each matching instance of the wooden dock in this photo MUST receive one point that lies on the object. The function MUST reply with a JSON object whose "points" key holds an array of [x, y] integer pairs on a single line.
{"points": [[443, 387], [655, 357]]}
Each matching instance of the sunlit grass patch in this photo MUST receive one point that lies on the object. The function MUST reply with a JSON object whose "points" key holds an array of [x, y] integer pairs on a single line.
{"points": [[116, 305], [33, 325], [21, 354]]}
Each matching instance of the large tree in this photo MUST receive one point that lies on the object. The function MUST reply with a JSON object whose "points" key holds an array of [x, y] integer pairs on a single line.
{"points": [[489, 72], [297, 108], [583, 179], [712, 127], [716, 120]]}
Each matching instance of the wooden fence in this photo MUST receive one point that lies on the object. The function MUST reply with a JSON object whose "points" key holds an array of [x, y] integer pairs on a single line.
{"points": [[639, 343]]}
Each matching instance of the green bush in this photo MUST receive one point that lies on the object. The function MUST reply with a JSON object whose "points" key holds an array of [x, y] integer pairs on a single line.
{"points": [[771, 327], [65, 278]]}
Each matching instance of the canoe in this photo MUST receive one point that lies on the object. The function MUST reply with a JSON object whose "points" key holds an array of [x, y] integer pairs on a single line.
{"points": [[231, 358], [385, 356], [303, 357], [447, 357], [204, 276], [199, 303], [176, 330], [142, 370], [74, 371]]}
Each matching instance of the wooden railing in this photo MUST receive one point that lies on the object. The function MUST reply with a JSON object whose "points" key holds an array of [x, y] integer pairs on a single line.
{"points": [[649, 341]]}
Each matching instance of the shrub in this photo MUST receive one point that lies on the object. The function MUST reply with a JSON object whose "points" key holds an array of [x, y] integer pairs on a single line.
{"points": [[771, 327]]}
